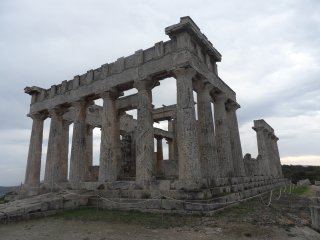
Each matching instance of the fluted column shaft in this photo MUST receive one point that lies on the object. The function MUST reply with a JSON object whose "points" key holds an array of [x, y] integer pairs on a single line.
{"points": [[188, 148], [32, 177], [145, 164], [235, 141], [277, 155], [159, 149], [272, 157], [223, 136], [208, 154], [173, 144], [89, 149], [63, 174], [77, 160], [170, 149], [159, 154], [110, 138], [53, 166], [263, 149]]}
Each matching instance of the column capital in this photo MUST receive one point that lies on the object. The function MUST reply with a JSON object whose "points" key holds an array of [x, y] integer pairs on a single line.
{"points": [[57, 110], [219, 96], [112, 93], [145, 84], [184, 71], [158, 137], [257, 129], [38, 115], [274, 137], [82, 103], [232, 106], [202, 85], [90, 127]]}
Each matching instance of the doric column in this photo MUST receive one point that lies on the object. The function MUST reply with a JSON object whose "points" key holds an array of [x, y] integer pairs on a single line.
{"points": [[223, 136], [208, 154], [110, 138], [235, 142], [277, 155], [77, 160], [188, 148], [159, 149], [263, 148], [32, 177], [53, 162], [271, 155], [145, 135], [170, 148], [63, 174], [172, 143], [159, 154], [89, 148]]}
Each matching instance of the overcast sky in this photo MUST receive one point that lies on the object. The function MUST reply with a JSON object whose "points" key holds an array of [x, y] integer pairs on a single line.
{"points": [[270, 57]]}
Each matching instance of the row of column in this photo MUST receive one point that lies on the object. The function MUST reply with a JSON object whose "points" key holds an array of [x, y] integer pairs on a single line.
{"points": [[269, 152], [205, 149], [56, 168]]}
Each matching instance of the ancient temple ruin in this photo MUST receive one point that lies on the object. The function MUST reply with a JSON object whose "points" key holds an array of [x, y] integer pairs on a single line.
{"points": [[204, 153]]}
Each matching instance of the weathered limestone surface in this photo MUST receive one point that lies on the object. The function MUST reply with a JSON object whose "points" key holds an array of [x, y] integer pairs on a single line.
{"points": [[172, 142], [223, 136], [205, 156], [276, 155], [263, 149], [110, 139], [207, 147], [128, 168], [145, 134], [235, 142], [78, 150], [52, 176], [64, 151], [88, 150], [188, 148], [35, 149], [268, 149], [315, 212], [159, 155]]}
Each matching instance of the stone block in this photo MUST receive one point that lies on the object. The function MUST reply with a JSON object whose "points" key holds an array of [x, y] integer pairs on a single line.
{"points": [[118, 185], [161, 185], [55, 203], [315, 217], [234, 181]]}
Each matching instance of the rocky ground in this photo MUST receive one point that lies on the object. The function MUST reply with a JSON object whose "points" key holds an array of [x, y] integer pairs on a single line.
{"points": [[287, 218]]}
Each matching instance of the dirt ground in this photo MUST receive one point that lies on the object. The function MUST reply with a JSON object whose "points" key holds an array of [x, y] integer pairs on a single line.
{"points": [[54, 229], [288, 218]]}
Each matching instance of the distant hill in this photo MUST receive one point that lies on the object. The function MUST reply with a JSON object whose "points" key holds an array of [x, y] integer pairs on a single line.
{"points": [[4, 190], [298, 172]]}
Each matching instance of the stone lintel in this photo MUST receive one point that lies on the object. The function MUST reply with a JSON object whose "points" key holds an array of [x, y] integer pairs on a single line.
{"points": [[127, 103], [164, 113], [147, 83], [160, 133]]}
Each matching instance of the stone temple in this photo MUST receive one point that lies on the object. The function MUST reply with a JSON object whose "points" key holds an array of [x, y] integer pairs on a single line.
{"points": [[205, 158]]}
